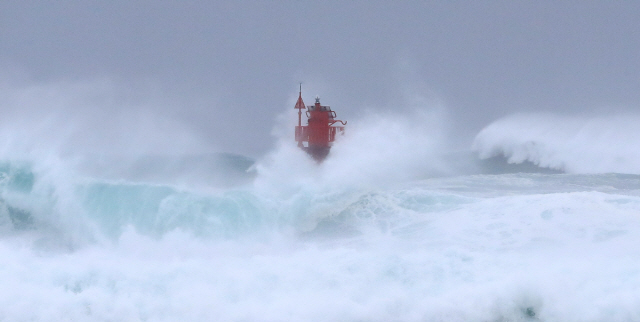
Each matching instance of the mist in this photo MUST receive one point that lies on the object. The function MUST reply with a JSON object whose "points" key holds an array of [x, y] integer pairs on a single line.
{"points": [[225, 70], [148, 168]]}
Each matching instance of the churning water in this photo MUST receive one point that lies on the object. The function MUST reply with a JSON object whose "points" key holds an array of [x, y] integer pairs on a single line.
{"points": [[396, 234]]}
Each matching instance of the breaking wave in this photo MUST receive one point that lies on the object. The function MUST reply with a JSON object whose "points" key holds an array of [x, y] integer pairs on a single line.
{"points": [[515, 247], [575, 144], [391, 227]]}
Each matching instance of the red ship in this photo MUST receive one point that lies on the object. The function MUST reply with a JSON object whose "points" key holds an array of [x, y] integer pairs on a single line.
{"points": [[320, 131]]}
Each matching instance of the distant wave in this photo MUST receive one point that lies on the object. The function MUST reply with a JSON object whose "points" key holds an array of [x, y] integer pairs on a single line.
{"points": [[573, 144]]}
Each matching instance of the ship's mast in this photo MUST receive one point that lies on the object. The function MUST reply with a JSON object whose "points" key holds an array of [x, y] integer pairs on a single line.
{"points": [[299, 109], [300, 105]]}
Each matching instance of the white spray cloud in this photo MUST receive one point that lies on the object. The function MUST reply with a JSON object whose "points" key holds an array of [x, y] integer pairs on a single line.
{"points": [[97, 127], [377, 149], [93, 117]]}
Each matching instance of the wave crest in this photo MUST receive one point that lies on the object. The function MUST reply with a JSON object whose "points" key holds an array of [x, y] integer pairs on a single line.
{"points": [[574, 144]]}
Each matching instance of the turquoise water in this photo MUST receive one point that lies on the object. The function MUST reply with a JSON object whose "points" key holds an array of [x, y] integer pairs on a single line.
{"points": [[474, 247]]}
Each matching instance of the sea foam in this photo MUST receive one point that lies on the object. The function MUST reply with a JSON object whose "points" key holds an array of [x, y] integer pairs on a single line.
{"points": [[384, 230]]}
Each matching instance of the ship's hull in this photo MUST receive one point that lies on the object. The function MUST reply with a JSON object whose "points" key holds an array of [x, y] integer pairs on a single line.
{"points": [[318, 153]]}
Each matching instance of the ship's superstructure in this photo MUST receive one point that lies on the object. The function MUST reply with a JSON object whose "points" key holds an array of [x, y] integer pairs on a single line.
{"points": [[321, 129]]}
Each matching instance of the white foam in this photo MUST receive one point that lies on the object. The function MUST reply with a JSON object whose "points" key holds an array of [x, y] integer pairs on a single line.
{"points": [[556, 256], [362, 237]]}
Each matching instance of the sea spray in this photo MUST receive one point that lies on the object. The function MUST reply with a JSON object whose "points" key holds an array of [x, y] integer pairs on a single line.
{"points": [[379, 232], [377, 150], [425, 250]]}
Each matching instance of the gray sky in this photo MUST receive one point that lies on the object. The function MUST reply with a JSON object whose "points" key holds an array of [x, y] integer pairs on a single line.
{"points": [[226, 69]]}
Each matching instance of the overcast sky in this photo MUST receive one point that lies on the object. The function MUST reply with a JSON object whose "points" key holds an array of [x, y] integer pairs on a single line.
{"points": [[226, 69]]}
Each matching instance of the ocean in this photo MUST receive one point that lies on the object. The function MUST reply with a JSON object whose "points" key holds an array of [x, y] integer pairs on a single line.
{"points": [[538, 221]]}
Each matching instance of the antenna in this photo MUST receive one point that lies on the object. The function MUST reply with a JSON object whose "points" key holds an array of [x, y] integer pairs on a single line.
{"points": [[299, 128]]}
